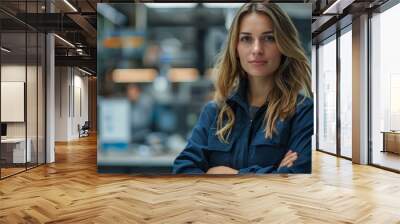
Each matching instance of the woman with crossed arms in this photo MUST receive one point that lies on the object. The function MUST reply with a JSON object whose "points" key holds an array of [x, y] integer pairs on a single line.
{"points": [[261, 118]]}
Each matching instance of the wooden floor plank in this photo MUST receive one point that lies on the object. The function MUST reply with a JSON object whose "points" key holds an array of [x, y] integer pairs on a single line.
{"points": [[71, 191]]}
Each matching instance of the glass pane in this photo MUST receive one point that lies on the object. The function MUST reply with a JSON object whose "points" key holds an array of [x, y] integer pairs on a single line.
{"points": [[346, 94], [13, 87], [41, 99], [386, 89], [314, 90], [31, 84], [327, 96], [31, 100]]}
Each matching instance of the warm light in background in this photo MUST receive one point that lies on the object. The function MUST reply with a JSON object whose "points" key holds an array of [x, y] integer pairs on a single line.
{"points": [[183, 74], [133, 75], [123, 42]]}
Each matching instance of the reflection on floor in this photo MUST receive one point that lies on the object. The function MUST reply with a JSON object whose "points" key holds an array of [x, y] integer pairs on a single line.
{"points": [[386, 159], [10, 169]]}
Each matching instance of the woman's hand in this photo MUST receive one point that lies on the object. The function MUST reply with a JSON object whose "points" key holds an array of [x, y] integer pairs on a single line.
{"points": [[289, 159], [222, 170]]}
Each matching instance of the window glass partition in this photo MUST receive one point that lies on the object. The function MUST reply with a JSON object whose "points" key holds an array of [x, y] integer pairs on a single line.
{"points": [[346, 93], [385, 89], [13, 95], [327, 95], [22, 87]]}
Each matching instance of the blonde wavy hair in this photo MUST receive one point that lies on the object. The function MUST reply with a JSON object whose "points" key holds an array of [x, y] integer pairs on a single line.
{"points": [[292, 76]]}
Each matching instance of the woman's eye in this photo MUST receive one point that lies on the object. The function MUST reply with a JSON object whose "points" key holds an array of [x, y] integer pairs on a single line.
{"points": [[269, 38], [245, 39]]}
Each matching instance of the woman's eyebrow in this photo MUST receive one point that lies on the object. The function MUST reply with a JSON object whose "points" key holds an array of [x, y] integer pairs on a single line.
{"points": [[268, 32], [247, 33]]}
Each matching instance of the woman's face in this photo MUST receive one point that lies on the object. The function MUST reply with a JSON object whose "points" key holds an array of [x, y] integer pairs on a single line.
{"points": [[258, 53]]}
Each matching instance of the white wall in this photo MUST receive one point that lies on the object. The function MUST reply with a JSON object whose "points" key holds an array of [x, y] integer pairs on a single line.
{"points": [[12, 73], [61, 103], [71, 93], [13, 101], [80, 100], [16, 73]]}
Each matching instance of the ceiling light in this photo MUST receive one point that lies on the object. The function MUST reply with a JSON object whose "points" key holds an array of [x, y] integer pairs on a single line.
{"points": [[64, 40], [84, 71], [71, 6], [5, 49], [223, 5], [333, 8], [171, 5]]}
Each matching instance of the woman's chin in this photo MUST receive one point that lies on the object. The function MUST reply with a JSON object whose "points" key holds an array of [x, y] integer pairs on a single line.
{"points": [[258, 75]]}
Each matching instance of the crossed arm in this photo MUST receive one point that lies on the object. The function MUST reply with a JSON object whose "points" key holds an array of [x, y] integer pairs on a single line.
{"points": [[297, 160], [287, 161]]}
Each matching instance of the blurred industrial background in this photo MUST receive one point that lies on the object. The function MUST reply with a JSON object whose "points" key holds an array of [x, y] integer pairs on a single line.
{"points": [[156, 59]]}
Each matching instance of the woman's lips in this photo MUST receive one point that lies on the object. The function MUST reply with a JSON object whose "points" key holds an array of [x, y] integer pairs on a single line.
{"points": [[258, 62]]}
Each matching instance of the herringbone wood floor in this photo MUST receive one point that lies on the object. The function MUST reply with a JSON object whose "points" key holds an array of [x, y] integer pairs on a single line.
{"points": [[71, 191]]}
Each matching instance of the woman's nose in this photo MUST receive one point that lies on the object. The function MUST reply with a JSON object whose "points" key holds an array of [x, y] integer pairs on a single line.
{"points": [[257, 47]]}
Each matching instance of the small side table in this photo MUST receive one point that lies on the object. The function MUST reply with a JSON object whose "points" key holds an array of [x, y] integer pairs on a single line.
{"points": [[391, 141]]}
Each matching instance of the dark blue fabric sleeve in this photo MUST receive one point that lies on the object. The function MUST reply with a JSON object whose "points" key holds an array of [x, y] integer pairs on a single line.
{"points": [[300, 138], [299, 141], [192, 160]]}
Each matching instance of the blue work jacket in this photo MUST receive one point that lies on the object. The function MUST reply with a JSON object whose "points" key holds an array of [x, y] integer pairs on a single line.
{"points": [[247, 150]]}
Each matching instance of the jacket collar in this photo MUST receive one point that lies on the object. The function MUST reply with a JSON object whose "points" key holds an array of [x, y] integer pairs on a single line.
{"points": [[239, 96]]}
